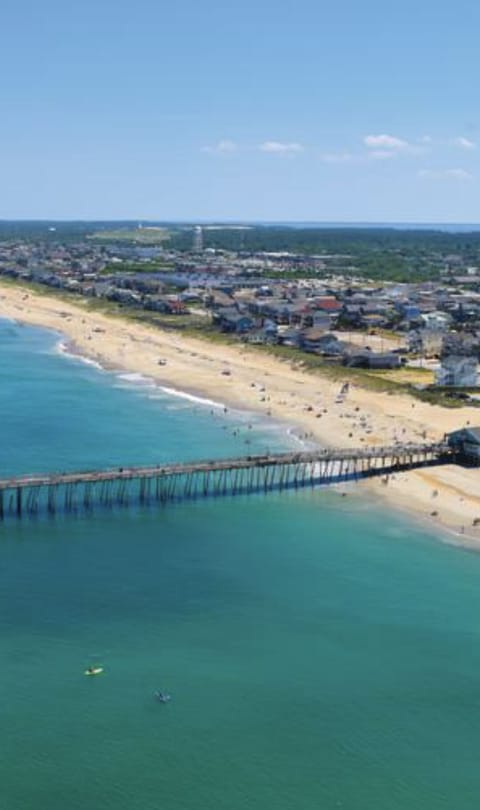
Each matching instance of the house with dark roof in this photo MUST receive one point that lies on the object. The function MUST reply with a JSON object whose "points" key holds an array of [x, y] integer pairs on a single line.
{"points": [[321, 342], [364, 358], [466, 442], [231, 320], [291, 336]]}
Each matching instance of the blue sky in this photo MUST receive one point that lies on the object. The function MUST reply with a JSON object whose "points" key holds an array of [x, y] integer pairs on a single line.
{"points": [[339, 111]]}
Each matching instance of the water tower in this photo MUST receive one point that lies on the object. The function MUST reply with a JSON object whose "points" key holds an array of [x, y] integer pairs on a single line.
{"points": [[197, 239]]}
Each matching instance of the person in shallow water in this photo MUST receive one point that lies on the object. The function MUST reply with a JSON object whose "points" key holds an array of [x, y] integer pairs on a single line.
{"points": [[162, 697]]}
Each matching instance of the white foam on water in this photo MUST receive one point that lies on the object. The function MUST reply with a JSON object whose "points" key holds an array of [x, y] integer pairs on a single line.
{"points": [[62, 348], [174, 392], [305, 443], [282, 434], [137, 379]]}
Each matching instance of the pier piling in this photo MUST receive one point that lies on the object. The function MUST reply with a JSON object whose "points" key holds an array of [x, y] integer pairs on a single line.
{"points": [[76, 491]]}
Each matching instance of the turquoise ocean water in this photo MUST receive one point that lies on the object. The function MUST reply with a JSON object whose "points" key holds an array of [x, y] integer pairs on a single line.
{"points": [[321, 652]]}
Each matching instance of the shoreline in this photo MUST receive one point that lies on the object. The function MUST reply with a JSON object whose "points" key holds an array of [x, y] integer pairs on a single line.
{"points": [[306, 405], [69, 349]]}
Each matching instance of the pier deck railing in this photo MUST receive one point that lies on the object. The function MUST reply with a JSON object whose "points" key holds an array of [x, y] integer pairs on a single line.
{"points": [[120, 486]]}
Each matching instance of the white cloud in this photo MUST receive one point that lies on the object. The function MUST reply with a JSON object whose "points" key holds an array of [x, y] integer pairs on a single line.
{"points": [[444, 174], [382, 147], [279, 148], [426, 139], [464, 143], [381, 154], [384, 142], [336, 157], [223, 147]]}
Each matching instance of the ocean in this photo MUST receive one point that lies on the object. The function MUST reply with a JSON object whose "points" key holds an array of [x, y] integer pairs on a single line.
{"points": [[321, 651]]}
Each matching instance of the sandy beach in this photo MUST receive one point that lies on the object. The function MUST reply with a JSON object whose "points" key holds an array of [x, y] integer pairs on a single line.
{"points": [[245, 378]]}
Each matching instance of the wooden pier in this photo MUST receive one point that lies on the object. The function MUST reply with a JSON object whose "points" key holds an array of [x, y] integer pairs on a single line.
{"points": [[72, 492]]}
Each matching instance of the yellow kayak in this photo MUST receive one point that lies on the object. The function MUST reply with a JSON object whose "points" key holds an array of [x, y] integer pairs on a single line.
{"points": [[94, 671]]}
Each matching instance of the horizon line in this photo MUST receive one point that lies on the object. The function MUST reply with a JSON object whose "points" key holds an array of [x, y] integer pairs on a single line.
{"points": [[239, 221]]}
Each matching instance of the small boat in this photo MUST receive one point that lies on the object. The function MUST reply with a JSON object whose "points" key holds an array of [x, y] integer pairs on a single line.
{"points": [[94, 671], [162, 697]]}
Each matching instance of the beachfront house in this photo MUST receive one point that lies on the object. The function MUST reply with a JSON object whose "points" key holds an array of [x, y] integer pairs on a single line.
{"points": [[316, 340], [428, 342], [231, 320], [156, 303], [466, 442], [364, 358], [290, 336], [457, 371], [312, 339]]}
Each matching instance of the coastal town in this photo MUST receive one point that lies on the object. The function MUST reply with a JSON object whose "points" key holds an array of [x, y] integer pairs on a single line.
{"points": [[240, 406], [425, 333]]}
